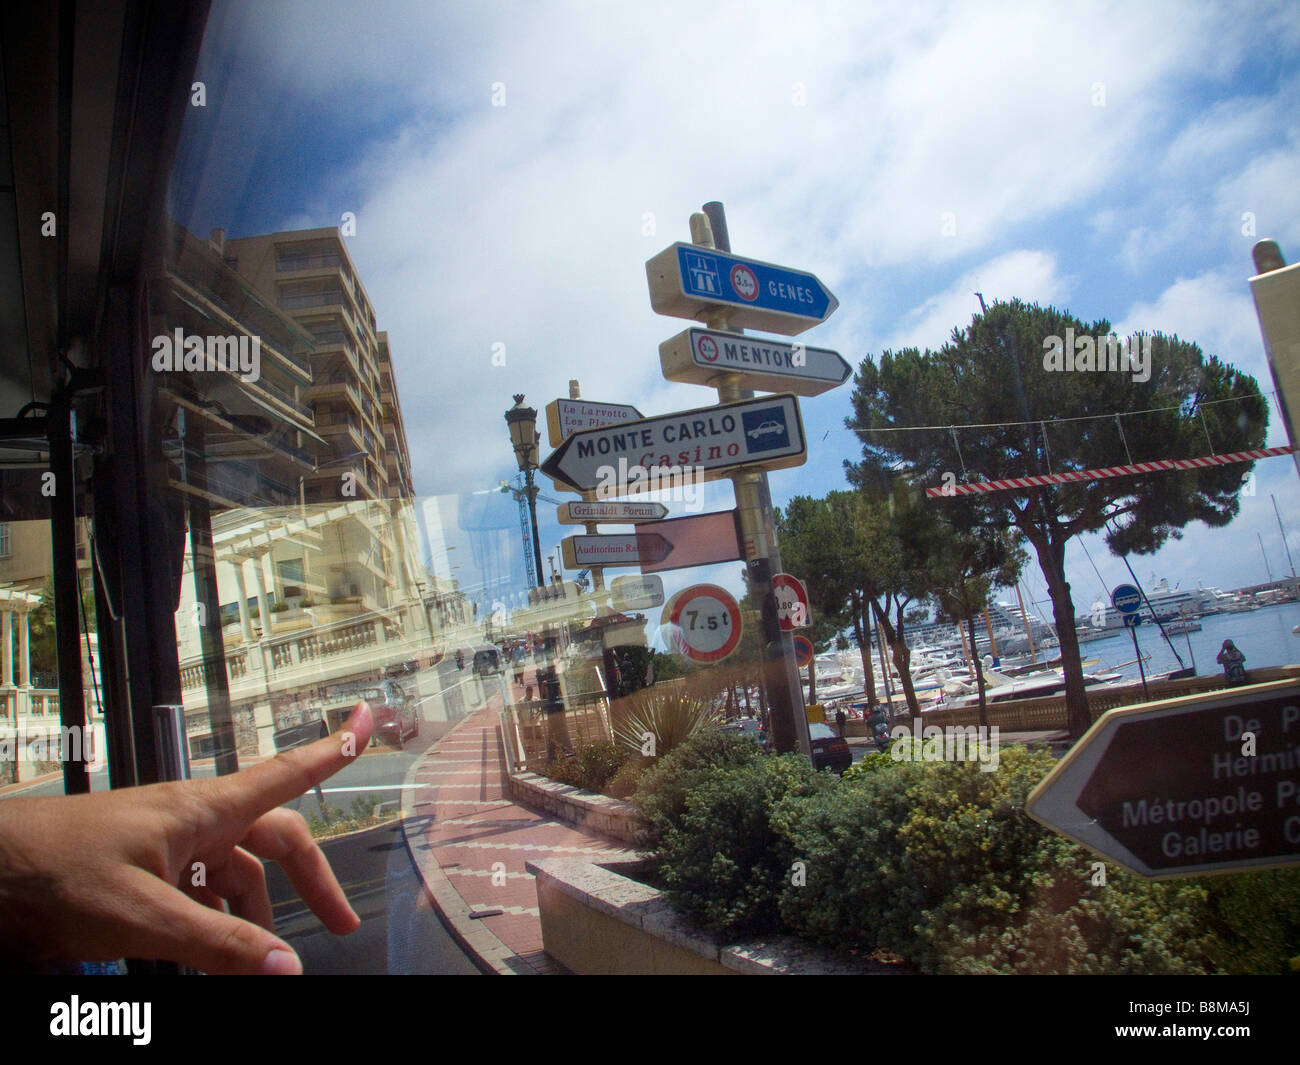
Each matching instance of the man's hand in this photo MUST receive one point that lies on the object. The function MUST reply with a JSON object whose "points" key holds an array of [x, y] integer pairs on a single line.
{"points": [[143, 872]]}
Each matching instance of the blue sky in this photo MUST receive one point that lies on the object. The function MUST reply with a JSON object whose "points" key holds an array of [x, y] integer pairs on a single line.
{"points": [[1116, 160]]}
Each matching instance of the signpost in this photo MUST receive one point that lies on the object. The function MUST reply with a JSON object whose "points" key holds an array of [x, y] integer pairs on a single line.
{"points": [[1204, 784], [621, 513], [1127, 598], [566, 416], [706, 623], [631, 549], [709, 442], [689, 281], [791, 602], [699, 356]]}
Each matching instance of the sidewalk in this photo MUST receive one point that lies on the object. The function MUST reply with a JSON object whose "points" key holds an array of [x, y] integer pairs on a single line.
{"points": [[470, 843]]}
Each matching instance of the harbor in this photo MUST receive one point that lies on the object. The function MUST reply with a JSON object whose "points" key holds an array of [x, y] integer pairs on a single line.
{"points": [[942, 679]]}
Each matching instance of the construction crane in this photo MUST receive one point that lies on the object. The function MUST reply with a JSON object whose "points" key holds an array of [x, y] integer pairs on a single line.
{"points": [[521, 497]]}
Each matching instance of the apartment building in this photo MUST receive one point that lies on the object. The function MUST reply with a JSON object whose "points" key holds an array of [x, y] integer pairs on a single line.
{"points": [[309, 276]]}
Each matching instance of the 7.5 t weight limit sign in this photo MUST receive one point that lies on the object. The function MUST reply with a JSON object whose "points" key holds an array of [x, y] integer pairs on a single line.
{"points": [[704, 622]]}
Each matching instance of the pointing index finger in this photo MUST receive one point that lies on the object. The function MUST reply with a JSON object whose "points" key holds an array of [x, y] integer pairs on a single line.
{"points": [[252, 792]]}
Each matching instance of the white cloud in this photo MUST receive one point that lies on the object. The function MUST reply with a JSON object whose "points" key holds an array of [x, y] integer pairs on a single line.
{"points": [[836, 133], [1027, 275]]}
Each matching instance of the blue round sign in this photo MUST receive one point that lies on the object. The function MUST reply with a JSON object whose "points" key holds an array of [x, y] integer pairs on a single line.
{"points": [[1126, 598]]}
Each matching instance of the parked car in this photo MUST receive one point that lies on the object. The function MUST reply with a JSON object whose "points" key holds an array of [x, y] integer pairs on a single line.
{"points": [[829, 749], [395, 715], [749, 727]]}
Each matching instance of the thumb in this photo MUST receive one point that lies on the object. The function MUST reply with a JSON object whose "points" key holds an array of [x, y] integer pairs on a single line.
{"points": [[176, 928]]}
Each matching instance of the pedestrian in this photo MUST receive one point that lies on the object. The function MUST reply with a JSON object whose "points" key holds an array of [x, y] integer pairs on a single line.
{"points": [[1233, 663], [841, 719]]}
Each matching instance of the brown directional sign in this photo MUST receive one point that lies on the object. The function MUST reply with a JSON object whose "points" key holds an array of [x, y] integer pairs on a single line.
{"points": [[1183, 787], [697, 540]]}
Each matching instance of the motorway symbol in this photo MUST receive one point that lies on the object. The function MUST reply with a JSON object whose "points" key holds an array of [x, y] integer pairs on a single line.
{"points": [[791, 602], [618, 512], [704, 622], [706, 443], [803, 651], [698, 540], [1203, 784], [688, 281], [565, 416], [1126, 598], [698, 356], [632, 549], [636, 593]]}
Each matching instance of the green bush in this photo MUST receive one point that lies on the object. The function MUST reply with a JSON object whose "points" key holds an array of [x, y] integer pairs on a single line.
{"points": [[938, 863], [623, 784], [724, 862], [660, 797], [590, 766], [1252, 921]]}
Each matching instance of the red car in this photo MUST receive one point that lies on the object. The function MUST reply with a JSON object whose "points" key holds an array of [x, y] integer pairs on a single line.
{"points": [[829, 749]]}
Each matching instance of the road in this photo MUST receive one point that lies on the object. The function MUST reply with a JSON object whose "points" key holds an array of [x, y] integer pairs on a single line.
{"points": [[400, 934]]}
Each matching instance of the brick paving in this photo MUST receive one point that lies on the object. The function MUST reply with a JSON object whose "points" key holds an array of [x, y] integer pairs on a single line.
{"points": [[470, 842]]}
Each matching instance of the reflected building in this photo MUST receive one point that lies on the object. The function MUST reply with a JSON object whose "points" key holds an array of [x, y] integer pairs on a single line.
{"points": [[302, 568]]}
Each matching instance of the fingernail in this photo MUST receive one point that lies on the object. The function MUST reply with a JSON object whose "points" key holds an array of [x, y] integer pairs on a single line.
{"points": [[358, 712], [281, 963]]}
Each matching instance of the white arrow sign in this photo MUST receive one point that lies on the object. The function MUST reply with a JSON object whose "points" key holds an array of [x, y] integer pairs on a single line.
{"points": [[636, 593], [698, 356], [565, 416], [706, 443], [615, 511]]}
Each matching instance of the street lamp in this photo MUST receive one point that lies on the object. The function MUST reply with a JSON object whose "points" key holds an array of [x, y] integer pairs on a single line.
{"points": [[523, 436]]}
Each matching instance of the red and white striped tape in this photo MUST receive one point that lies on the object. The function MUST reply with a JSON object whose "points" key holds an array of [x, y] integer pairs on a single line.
{"points": [[1159, 466]]}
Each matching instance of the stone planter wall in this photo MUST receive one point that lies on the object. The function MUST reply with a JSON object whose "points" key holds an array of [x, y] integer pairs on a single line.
{"points": [[597, 922], [586, 809]]}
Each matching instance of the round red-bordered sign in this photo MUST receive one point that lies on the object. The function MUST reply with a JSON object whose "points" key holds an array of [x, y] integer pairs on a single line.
{"points": [[744, 282], [708, 348], [803, 651], [792, 602], [705, 620]]}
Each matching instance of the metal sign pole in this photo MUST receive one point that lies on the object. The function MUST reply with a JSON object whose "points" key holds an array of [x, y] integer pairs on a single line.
{"points": [[758, 532]]}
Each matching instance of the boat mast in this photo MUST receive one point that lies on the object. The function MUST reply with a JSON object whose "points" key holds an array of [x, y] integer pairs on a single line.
{"points": [[1025, 618]]}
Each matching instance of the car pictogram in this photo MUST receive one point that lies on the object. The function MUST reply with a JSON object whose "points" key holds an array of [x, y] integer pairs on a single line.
{"points": [[767, 428]]}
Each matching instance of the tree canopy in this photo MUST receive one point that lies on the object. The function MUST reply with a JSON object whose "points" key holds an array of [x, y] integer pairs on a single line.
{"points": [[997, 402]]}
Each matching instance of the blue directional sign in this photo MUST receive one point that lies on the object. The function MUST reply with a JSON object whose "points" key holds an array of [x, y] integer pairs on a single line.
{"points": [[1132, 621], [687, 280], [1126, 597]]}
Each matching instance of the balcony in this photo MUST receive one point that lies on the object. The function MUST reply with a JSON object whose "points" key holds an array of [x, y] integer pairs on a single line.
{"points": [[317, 261], [312, 299]]}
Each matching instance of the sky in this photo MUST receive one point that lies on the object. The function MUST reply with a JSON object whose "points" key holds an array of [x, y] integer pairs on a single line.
{"points": [[511, 167]]}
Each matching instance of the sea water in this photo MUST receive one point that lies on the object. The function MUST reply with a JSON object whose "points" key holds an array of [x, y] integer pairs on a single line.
{"points": [[1264, 636]]}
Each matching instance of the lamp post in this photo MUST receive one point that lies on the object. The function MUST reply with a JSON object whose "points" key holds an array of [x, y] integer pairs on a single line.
{"points": [[523, 436]]}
